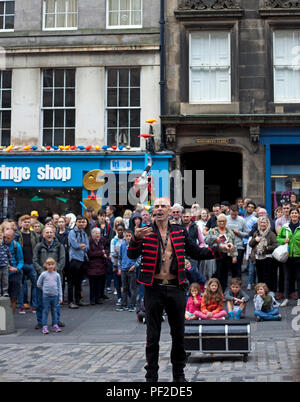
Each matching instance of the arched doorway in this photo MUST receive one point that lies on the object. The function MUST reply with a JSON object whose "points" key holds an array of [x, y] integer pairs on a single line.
{"points": [[222, 174]]}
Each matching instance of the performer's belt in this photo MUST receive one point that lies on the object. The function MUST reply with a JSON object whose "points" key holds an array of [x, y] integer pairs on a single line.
{"points": [[165, 282]]}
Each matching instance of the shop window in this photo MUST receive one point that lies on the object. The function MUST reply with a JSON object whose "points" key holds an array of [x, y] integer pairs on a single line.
{"points": [[7, 15], [60, 14], [5, 106], [286, 45], [283, 185], [58, 106], [210, 69], [124, 13], [123, 111]]}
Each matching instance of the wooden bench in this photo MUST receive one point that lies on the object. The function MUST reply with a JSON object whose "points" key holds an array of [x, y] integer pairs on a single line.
{"points": [[218, 337]]}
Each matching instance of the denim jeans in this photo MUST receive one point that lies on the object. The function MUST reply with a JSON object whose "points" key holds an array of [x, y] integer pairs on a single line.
{"points": [[49, 303], [29, 272], [117, 284], [251, 272], [267, 316], [109, 274], [40, 306]]}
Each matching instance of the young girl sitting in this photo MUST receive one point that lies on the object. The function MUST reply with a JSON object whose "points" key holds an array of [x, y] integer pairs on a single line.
{"points": [[266, 307], [192, 309], [212, 301], [50, 283]]}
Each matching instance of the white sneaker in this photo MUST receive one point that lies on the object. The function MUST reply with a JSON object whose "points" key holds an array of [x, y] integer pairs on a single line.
{"points": [[119, 302], [284, 303], [298, 302], [249, 286]]}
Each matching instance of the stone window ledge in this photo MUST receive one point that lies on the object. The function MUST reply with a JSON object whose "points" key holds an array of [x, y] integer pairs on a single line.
{"points": [[279, 12]]}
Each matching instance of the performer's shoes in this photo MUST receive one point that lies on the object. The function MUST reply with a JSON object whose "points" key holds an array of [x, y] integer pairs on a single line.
{"points": [[151, 379]]}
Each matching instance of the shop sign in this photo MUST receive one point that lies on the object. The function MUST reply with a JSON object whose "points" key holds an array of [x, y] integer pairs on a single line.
{"points": [[121, 165], [217, 141], [18, 174]]}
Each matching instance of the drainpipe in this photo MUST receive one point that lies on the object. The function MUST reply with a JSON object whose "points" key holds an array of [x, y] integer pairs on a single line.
{"points": [[162, 82]]}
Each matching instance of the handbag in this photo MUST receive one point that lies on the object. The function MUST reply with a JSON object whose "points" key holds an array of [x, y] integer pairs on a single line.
{"points": [[281, 253]]}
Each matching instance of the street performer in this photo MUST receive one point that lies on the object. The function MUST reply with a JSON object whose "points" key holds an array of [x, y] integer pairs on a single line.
{"points": [[163, 247]]}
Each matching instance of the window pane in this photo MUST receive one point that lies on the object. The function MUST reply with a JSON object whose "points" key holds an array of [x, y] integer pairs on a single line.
{"points": [[5, 138], [112, 118], [1, 22], [70, 97], [70, 118], [72, 20], [10, 7], [50, 6], [6, 79], [6, 99], [59, 118], [1, 7], [73, 6], [113, 19], [48, 78], [136, 4], [136, 18], [112, 137], [70, 78], [50, 21], [58, 137], [9, 22], [47, 137], [61, 6], [124, 77], [70, 137], [123, 137], [48, 118], [61, 20], [112, 97], [59, 78], [113, 5], [47, 98], [135, 118], [112, 78], [134, 77], [125, 4], [124, 18], [134, 139], [123, 117], [135, 97], [123, 97], [58, 97], [6, 119]]}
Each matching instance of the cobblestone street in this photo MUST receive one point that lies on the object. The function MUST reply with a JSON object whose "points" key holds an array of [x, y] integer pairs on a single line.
{"points": [[100, 344]]}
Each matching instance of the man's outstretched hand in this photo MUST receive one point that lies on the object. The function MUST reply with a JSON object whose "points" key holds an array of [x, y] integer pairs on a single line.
{"points": [[140, 233], [226, 248]]}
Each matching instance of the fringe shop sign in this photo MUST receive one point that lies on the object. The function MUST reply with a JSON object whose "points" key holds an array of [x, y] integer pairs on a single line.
{"points": [[217, 141], [43, 173]]}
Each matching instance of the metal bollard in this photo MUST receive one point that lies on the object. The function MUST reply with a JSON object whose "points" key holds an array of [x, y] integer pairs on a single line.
{"points": [[7, 322]]}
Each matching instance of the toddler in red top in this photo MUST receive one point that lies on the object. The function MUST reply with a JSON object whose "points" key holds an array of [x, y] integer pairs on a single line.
{"points": [[193, 304], [212, 301]]}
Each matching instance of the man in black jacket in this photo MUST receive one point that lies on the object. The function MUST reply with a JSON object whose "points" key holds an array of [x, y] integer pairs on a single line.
{"points": [[163, 247]]}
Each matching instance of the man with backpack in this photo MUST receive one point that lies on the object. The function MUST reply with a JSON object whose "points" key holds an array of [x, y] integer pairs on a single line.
{"points": [[78, 248]]}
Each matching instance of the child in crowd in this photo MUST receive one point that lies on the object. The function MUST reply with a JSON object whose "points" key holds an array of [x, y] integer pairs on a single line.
{"points": [[193, 275], [50, 283], [127, 270], [5, 262], [115, 245], [212, 301], [266, 307], [236, 299], [193, 305]]}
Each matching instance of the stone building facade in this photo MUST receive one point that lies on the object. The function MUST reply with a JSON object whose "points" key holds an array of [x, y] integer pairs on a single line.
{"points": [[74, 73], [232, 95]]}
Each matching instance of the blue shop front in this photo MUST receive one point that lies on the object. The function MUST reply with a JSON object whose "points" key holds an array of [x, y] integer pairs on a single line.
{"points": [[282, 164], [53, 182]]}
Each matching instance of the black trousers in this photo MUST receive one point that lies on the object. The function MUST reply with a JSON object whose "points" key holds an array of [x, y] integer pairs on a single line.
{"points": [[267, 272], [224, 266], [97, 285], [75, 275], [291, 271], [172, 299]]}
